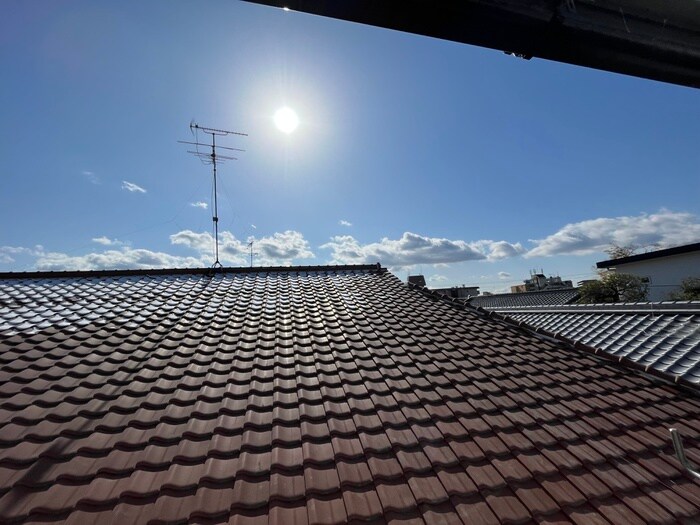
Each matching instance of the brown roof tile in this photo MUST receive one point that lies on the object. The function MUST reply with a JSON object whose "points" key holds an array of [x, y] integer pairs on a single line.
{"points": [[319, 395]]}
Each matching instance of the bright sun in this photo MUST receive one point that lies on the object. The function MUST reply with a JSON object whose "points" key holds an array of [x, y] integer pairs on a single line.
{"points": [[286, 120]]}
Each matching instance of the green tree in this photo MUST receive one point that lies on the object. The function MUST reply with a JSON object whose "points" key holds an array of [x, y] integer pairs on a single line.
{"points": [[613, 287], [690, 290]]}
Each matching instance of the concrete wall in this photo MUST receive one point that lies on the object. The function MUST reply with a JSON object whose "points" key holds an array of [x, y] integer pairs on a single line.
{"points": [[665, 273]]}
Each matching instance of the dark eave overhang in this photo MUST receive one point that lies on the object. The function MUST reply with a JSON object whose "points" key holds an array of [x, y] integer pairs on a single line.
{"points": [[653, 39]]}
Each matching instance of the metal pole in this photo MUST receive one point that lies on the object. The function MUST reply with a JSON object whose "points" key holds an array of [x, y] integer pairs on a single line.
{"points": [[215, 218]]}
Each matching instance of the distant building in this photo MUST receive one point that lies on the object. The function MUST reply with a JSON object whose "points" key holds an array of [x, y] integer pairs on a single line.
{"points": [[663, 269], [458, 292], [538, 282]]}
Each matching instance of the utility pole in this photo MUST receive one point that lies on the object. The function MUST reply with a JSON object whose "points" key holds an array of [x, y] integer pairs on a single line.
{"points": [[212, 158]]}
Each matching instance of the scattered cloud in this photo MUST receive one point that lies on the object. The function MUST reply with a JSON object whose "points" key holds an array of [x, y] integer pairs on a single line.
{"points": [[662, 230], [91, 177], [413, 248], [254, 226], [283, 248], [8, 253], [106, 241], [125, 258], [343, 222], [278, 249], [133, 188], [199, 204], [437, 278], [503, 275], [498, 250]]}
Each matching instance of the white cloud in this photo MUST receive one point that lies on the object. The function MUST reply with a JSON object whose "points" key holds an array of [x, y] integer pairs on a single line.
{"points": [[498, 250], [106, 241], [91, 177], [199, 204], [130, 186], [503, 275], [279, 249], [343, 222], [437, 278], [283, 248], [662, 229], [412, 249], [231, 250], [15, 249], [8, 253], [126, 258]]}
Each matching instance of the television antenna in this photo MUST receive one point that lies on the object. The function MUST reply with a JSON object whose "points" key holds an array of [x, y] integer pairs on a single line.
{"points": [[250, 246], [212, 159]]}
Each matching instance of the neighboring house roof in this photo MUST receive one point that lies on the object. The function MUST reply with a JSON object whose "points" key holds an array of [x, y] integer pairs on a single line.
{"points": [[490, 302], [677, 250], [418, 280], [660, 336], [317, 395]]}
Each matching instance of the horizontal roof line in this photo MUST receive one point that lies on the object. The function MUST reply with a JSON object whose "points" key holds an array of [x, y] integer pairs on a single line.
{"points": [[184, 271], [676, 250], [692, 307]]}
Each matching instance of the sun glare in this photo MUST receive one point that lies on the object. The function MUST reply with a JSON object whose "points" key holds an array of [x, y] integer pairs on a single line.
{"points": [[286, 120]]}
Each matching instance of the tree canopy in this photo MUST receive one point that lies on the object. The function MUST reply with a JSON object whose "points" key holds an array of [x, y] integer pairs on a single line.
{"points": [[690, 290], [613, 287]]}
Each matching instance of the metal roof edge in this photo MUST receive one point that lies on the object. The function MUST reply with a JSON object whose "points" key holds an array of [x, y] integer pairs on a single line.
{"points": [[188, 271]]}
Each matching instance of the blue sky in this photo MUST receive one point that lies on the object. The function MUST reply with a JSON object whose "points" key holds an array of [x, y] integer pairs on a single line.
{"points": [[461, 163]]}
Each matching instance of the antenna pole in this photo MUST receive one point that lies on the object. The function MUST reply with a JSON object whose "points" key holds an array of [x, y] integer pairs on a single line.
{"points": [[250, 245], [212, 159], [215, 217]]}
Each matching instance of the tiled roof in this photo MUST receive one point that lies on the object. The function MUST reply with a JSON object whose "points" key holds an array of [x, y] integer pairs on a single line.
{"points": [[504, 300], [321, 395], [659, 336]]}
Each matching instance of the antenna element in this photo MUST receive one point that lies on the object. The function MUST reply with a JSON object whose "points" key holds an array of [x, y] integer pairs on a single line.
{"points": [[212, 158]]}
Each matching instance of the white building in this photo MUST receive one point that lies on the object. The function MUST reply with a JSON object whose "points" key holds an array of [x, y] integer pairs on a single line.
{"points": [[664, 269]]}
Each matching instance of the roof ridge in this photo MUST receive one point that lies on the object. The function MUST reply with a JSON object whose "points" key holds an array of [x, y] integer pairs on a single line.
{"points": [[575, 289], [630, 308], [196, 271]]}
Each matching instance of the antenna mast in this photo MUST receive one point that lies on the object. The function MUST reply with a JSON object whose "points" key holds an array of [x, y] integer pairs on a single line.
{"points": [[250, 245], [212, 158]]}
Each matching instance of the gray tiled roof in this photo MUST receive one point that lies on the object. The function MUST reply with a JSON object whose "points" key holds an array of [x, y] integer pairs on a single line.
{"points": [[661, 336], [503, 300]]}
